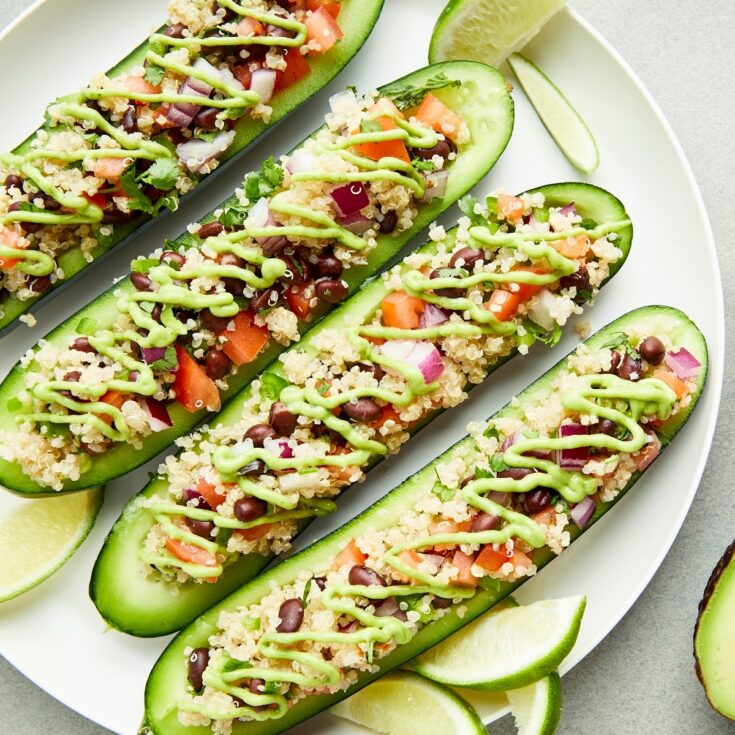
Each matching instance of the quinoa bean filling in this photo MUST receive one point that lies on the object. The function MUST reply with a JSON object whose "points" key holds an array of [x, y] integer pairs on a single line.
{"points": [[194, 316], [129, 146], [448, 313], [516, 489]]}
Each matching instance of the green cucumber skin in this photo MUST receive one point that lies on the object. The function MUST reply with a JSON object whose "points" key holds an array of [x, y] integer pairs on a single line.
{"points": [[357, 19], [491, 127], [145, 608], [167, 682]]}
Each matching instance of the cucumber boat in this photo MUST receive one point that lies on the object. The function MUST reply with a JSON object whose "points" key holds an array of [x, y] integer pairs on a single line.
{"points": [[117, 382], [365, 378], [444, 547], [127, 147]]}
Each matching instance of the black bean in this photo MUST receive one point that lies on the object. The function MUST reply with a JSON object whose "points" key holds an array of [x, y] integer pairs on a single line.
{"points": [[615, 360], [28, 227], [259, 433], [440, 603], [580, 280], [233, 285], [216, 364], [175, 31], [630, 368], [606, 426], [364, 409], [515, 473], [256, 467], [249, 508], [331, 290], [449, 293], [389, 222], [39, 284], [281, 419], [229, 14], [652, 350], [256, 686], [537, 500], [327, 265], [198, 662], [320, 582], [298, 270], [213, 322], [14, 180], [129, 121], [265, 299], [81, 344], [73, 376], [190, 494], [442, 148], [50, 204], [468, 258], [201, 528], [361, 575], [114, 216], [206, 119], [172, 258], [156, 313], [485, 522], [141, 281], [133, 376], [291, 613], [211, 229]]}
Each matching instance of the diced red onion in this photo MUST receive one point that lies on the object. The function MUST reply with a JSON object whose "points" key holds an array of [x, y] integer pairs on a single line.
{"points": [[573, 459], [286, 451], [540, 309], [436, 560], [151, 354], [224, 75], [302, 161], [422, 355], [519, 437], [350, 627], [649, 452], [350, 198], [259, 214], [397, 349], [436, 185], [357, 223], [499, 498], [181, 115], [263, 81], [568, 209], [682, 363], [158, 417], [582, 512], [432, 316], [387, 607], [194, 154], [335, 99]]}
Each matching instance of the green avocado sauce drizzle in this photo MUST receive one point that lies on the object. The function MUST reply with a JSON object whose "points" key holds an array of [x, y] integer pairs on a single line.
{"points": [[171, 290], [600, 395], [231, 99], [316, 406]]}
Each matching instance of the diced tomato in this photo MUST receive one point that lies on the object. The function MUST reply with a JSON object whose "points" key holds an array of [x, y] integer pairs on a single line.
{"points": [[209, 493], [544, 517], [463, 563], [519, 559], [503, 304], [322, 28], [297, 67], [388, 413], [249, 27], [650, 451], [678, 386], [438, 116], [161, 117], [254, 533], [242, 73], [190, 553], [332, 8], [340, 473], [245, 341], [509, 208], [448, 527], [195, 390], [349, 555], [113, 398], [11, 238], [402, 310], [99, 200], [411, 558], [298, 300], [524, 291], [140, 85], [491, 560], [572, 247], [385, 148], [110, 168]]}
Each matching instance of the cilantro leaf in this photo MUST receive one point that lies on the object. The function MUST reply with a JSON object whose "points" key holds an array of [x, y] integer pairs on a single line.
{"points": [[443, 492], [305, 596], [588, 223], [535, 333], [406, 96], [482, 474], [467, 205], [136, 198], [233, 215], [144, 265], [271, 386], [491, 433], [233, 664], [620, 339], [169, 361], [370, 126], [264, 183], [163, 174], [421, 165], [497, 463], [154, 74]]}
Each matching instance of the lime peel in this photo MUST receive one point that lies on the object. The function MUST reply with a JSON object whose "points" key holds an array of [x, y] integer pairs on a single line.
{"points": [[537, 707]]}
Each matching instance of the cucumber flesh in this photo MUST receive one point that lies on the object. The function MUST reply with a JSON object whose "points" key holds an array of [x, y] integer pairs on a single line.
{"points": [[145, 607], [357, 19], [167, 682], [490, 119]]}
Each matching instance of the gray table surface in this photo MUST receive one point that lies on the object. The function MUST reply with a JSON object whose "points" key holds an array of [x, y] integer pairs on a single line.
{"points": [[640, 679]]}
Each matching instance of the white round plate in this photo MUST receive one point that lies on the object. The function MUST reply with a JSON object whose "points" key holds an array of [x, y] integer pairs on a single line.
{"points": [[54, 635]]}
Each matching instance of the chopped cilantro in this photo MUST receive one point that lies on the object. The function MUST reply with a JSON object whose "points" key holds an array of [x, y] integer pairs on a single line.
{"points": [[136, 198], [588, 224], [370, 126], [233, 215], [162, 174], [444, 493], [271, 386], [541, 214], [251, 623], [263, 184], [407, 96], [497, 463], [169, 361], [467, 204], [482, 474], [154, 74], [144, 265], [421, 165], [305, 596], [491, 433], [620, 339], [539, 334], [233, 664], [271, 687]]}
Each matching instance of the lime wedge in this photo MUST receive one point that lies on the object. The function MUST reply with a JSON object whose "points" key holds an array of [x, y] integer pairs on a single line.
{"points": [[564, 123], [38, 536], [488, 30], [506, 649], [537, 707], [404, 703]]}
